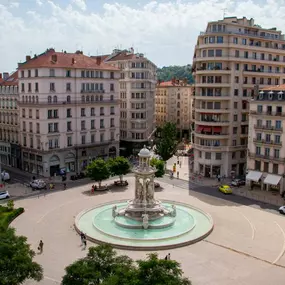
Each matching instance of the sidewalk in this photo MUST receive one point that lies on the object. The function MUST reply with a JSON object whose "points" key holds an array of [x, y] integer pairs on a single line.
{"points": [[185, 174]]}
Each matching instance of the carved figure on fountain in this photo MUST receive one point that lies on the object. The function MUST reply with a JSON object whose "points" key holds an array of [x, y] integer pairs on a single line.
{"points": [[145, 223], [114, 211]]}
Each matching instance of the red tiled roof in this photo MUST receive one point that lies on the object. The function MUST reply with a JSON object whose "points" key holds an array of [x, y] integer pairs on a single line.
{"points": [[65, 60], [276, 87], [12, 80], [123, 56]]}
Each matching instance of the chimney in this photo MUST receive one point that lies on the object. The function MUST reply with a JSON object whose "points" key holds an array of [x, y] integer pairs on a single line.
{"points": [[28, 57], [73, 60], [54, 58], [5, 75], [98, 60]]}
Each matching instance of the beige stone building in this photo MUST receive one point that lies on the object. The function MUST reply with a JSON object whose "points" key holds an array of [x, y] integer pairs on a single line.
{"points": [[10, 152], [232, 58], [137, 98], [173, 103], [266, 148], [69, 111]]}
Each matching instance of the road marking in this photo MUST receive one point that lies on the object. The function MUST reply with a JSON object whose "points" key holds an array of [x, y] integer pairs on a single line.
{"points": [[250, 223], [51, 279], [283, 249]]}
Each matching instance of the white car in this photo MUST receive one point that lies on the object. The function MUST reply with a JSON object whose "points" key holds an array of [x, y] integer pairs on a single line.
{"points": [[4, 195], [5, 176], [282, 210], [38, 184]]}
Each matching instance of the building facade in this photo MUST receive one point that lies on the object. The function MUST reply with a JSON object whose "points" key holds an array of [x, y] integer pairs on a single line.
{"points": [[266, 149], [173, 103], [10, 150], [137, 98], [233, 58], [69, 111]]}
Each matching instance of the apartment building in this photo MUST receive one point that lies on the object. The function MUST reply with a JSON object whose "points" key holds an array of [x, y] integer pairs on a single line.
{"points": [[69, 111], [10, 151], [233, 58], [266, 149], [137, 98], [173, 103]]}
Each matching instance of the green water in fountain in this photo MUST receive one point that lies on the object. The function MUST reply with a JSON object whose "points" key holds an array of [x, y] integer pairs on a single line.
{"points": [[190, 225]]}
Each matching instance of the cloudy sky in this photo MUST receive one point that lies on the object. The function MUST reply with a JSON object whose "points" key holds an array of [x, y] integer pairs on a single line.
{"points": [[164, 30]]}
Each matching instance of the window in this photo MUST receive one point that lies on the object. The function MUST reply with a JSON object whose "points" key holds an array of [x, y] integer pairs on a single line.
{"points": [[235, 41], [237, 53], [82, 112], [68, 113], [278, 125], [267, 151], [101, 123], [211, 53], [36, 87], [265, 166], [275, 168], [276, 153], [258, 150], [83, 125], [68, 73], [234, 155], [36, 73], [51, 73], [268, 124], [235, 129], [51, 86], [112, 122], [83, 139], [277, 139], [69, 126], [68, 86], [23, 87], [259, 123], [208, 155], [259, 109], [92, 124], [257, 165], [219, 52], [101, 111], [102, 137], [220, 40], [38, 128], [235, 118], [68, 99], [267, 137], [111, 87], [112, 75], [92, 138], [49, 114], [236, 92], [92, 111], [243, 41], [69, 141], [112, 110], [211, 40], [218, 155]]}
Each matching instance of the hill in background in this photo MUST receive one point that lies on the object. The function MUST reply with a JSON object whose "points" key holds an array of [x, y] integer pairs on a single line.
{"points": [[166, 73]]}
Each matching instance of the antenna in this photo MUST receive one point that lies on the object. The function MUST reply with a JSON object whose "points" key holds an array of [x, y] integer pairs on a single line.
{"points": [[224, 12]]}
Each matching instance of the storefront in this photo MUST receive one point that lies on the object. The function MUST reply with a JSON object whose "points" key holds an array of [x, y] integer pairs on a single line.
{"points": [[254, 179], [69, 161], [272, 183]]}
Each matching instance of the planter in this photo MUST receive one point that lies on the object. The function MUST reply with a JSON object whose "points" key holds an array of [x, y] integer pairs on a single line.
{"points": [[121, 183]]}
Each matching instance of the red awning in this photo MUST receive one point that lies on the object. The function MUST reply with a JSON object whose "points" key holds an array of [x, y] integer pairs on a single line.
{"points": [[207, 129], [217, 129], [199, 129]]}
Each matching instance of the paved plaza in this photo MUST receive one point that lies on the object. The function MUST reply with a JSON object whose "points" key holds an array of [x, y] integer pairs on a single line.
{"points": [[246, 246]]}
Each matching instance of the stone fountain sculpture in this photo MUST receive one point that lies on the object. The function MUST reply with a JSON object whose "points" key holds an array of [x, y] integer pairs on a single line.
{"points": [[144, 207]]}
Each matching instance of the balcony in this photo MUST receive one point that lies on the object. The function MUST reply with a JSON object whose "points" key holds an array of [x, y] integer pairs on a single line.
{"points": [[271, 142], [209, 148], [264, 72], [92, 91], [213, 97], [212, 123], [43, 103], [213, 110], [211, 135], [265, 157], [268, 113], [268, 128], [213, 84], [93, 144], [201, 71]]}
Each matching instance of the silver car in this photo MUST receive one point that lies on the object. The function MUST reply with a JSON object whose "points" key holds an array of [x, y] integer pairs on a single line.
{"points": [[38, 185], [4, 195]]}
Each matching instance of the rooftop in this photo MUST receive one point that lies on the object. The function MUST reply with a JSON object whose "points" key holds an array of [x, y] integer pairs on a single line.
{"points": [[173, 83], [274, 88], [12, 80], [52, 59]]}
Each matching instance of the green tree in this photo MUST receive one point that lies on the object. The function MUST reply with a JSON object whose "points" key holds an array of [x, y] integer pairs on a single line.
{"points": [[167, 143], [100, 263], [119, 166], [159, 165], [16, 259], [10, 205], [155, 271], [166, 73], [98, 170]]}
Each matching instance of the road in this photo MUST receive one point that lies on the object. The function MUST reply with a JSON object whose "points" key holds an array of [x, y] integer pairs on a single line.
{"points": [[212, 191]]}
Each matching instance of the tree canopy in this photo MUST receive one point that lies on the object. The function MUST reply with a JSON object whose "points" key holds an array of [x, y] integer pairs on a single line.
{"points": [[119, 166], [103, 266], [98, 170], [166, 73], [159, 165], [16, 259], [167, 143]]}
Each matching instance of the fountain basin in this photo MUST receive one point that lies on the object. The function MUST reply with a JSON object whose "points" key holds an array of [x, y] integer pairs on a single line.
{"points": [[189, 226]]}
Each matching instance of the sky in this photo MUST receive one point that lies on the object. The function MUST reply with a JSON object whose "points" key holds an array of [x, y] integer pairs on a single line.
{"points": [[165, 31]]}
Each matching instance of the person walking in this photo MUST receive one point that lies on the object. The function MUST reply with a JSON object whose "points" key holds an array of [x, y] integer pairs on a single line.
{"points": [[82, 237], [177, 174], [84, 243], [167, 257], [41, 246]]}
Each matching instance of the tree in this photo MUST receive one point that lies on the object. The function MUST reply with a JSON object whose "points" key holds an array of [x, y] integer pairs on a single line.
{"points": [[16, 262], [103, 266], [100, 263], [159, 165], [10, 205], [166, 73], [155, 271], [119, 166], [98, 170], [166, 144]]}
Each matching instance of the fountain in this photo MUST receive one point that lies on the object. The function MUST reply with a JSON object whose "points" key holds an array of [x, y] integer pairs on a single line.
{"points": [[144, 222]]}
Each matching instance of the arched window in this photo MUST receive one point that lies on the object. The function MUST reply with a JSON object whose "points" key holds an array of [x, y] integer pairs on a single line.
{"points": [[49, 99], [112, 97], [178, 104], [82, 98], [87, 98], [178, 121], [54, 99], [178, 113], [92, 98], [68, 98]]}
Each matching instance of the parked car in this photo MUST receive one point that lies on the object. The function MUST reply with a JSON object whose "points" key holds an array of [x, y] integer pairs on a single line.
{"points": [[226, 189], [282, 210], [38, 184], [237, 182], [4, 195], [5, 176]]}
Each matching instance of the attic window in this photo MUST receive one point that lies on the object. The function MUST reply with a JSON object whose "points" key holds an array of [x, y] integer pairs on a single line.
{"points": [[270, 95], [280, 95]]}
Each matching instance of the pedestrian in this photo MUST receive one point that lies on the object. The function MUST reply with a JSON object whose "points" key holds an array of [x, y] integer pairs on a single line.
{"points": [[82, 236], [177, 174], [41, 246], [167, 257], [84, 243]]}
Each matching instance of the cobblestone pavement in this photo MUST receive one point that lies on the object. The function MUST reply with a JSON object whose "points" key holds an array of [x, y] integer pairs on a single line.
{"points": [[246, 247]]}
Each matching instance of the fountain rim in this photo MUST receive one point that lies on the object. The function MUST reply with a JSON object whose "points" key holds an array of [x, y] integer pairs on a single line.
{"points": [[146, 248]]}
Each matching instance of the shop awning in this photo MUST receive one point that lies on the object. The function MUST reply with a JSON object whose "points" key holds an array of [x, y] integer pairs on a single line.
{"points": [[272, 179], [217, 129], [253, 175]]}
